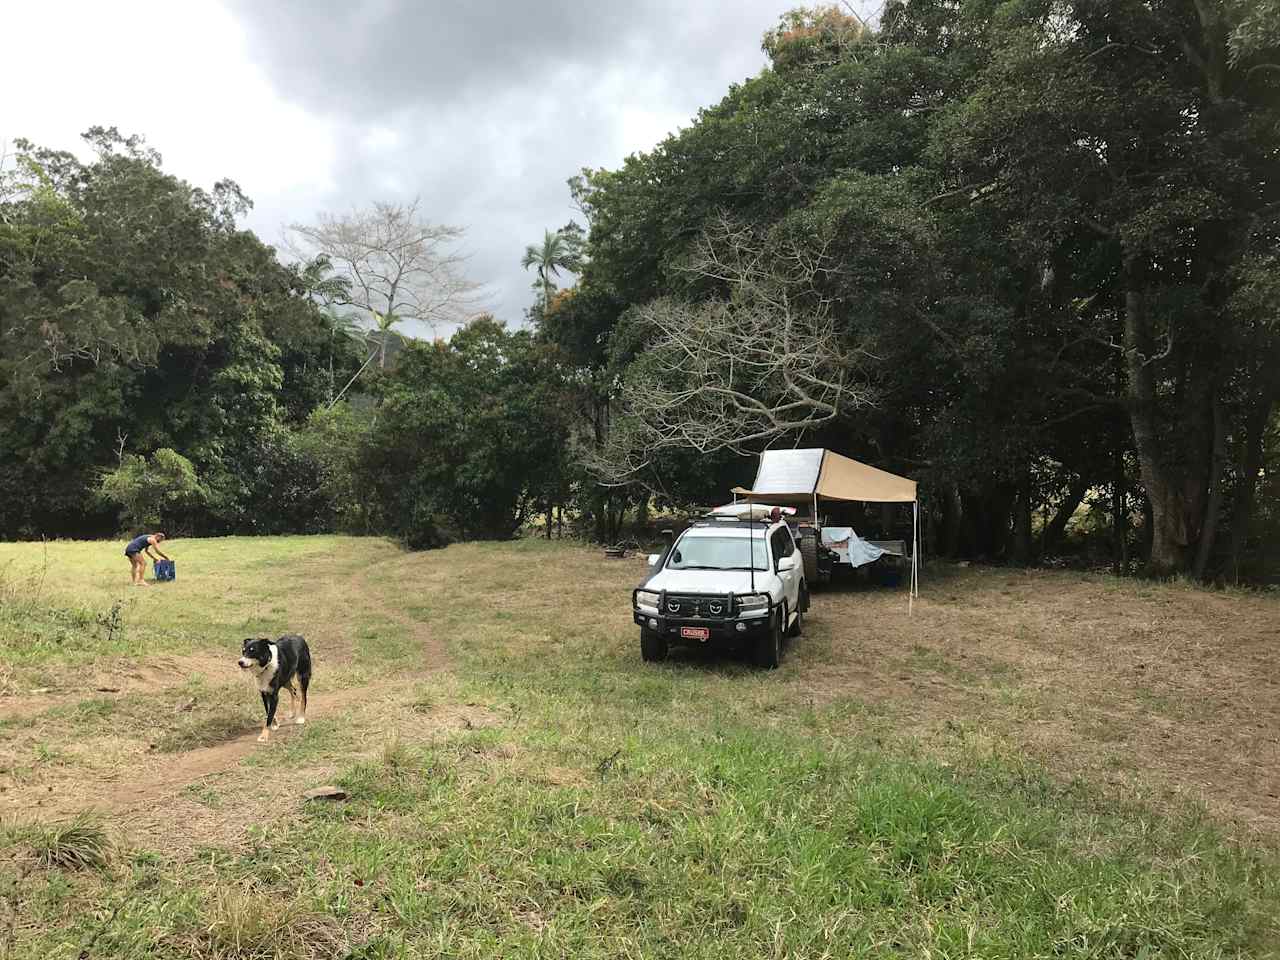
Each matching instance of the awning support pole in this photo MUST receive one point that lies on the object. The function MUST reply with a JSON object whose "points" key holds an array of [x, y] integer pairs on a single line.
{"points": [[914, 589]]}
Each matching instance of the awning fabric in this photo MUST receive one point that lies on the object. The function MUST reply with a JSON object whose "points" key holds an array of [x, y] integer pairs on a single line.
{"points": [[794, 476]]}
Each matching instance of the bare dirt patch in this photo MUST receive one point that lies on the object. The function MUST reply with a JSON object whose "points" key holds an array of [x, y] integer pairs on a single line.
{"points": [[177, 802], [114, 679]]}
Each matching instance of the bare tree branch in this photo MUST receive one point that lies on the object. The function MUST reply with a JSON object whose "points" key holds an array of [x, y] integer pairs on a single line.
{"points": [[398, 265], [760, 362]]}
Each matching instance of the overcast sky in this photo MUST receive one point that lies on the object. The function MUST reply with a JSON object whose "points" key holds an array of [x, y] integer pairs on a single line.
{"points": [[484, 109]]}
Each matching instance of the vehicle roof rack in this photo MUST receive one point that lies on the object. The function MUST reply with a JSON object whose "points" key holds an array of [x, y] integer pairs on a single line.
{"points": [[720, 520]]}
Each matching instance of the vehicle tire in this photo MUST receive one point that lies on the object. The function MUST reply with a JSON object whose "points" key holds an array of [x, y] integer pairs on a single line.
{"points": [[769, 645], [809, 551], [797, 628], [653, 646]]}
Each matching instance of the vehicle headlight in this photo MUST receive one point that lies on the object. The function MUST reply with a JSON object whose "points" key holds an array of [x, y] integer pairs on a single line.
{"points": [[751, 604], [647, 600]]}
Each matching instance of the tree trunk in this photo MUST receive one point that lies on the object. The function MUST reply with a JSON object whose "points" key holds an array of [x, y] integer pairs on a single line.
{"points": [[1119, 514], [601, 505], [1213, 509], [952, 521], [887, 511], [997, 522], [1169, 528], [1020, 545], [1246, 489], [548, 516], [642, 518], [616, 513], [1055, 528]]}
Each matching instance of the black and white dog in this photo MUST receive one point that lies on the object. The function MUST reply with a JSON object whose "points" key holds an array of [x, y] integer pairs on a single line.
{"points": [[277, 664]]}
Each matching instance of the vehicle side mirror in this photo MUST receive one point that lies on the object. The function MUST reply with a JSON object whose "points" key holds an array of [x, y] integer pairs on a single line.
{"points": [[787, 563], [654, 558]]}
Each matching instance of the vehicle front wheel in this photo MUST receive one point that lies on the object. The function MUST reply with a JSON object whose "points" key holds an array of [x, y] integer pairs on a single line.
{"points": [[769, 644], [653, 646], [797, 628]]}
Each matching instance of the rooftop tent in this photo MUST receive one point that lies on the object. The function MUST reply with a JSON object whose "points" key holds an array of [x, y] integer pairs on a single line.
{"points": [[804, 477]]}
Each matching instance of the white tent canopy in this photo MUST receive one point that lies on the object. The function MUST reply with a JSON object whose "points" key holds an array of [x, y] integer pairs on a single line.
{"points": [[804, 477], [797, 476]]}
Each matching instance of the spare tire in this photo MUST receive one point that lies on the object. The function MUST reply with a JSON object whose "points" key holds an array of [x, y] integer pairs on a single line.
{"points": [[809, 551]]}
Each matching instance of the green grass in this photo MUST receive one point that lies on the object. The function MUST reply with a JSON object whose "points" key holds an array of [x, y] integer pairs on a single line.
{"points": [[553, 796], [76, 844], [726, 847], [209, 714], [67, 603]]}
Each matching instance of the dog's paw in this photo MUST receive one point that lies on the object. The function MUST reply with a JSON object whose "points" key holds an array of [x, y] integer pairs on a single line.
{"points": [[264, 737], [300, 720], [275, 725]]}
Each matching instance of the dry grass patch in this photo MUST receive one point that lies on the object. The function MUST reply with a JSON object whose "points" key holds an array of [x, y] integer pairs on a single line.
{"points": [[1091, 674]]}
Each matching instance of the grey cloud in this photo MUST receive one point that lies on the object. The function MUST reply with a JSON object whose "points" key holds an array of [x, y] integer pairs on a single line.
{"points": [[381, 55], [494, 105]]}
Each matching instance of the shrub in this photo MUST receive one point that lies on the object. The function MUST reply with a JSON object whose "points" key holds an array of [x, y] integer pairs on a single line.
{"points": [[148, 492]]}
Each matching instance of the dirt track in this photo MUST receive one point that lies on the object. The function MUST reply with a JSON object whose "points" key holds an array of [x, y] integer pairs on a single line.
{"points": [[145, 780]]}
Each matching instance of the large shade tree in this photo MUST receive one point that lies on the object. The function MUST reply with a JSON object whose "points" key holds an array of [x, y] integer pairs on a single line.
{"points": [[1044, 221], [135, 316]]}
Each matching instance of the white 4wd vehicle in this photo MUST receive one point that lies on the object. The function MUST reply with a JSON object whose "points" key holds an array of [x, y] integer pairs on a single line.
{"points": [[724, 580]]}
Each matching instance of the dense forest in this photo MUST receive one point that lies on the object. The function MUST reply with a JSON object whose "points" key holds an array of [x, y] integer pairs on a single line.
{"points": [[1026, 252]]}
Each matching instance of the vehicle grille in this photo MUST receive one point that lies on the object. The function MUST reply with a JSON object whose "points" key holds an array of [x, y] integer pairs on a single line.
{"points": [[687, 606]]}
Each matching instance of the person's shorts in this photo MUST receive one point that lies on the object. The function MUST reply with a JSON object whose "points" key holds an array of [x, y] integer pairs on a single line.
{"points": [[132, 553]]}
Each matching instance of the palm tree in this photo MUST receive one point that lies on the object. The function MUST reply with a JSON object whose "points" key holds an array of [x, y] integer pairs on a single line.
{"points": [[344, 326], [384, 322], [561, 249]]}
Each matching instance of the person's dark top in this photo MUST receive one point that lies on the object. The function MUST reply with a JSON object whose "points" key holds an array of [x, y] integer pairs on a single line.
{"points": [[136, 545]]}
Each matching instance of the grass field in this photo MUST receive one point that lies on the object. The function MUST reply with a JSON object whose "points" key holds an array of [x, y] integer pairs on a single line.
{"points": [[1033, 765]]}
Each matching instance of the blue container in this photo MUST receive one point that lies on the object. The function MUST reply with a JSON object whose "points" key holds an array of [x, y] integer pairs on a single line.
{"points": [[165, 570]]}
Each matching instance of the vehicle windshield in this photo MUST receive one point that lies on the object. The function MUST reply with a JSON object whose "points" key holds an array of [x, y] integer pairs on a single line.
{"points": [[719, 553]]}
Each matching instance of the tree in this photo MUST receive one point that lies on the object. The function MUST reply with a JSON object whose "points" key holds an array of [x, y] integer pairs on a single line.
{"points": [[1138, 127], [757, 362], [332, 441], [397, 266], [1254, 29], [1034, 218], [131, 305], [467, 438], [559, 250], [151, 492]]}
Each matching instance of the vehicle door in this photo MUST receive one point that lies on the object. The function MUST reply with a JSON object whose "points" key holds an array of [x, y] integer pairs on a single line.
{"points": [[781, 545]]}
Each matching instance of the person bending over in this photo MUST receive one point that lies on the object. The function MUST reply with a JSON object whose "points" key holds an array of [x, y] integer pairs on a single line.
{"points": [[138, 549]]}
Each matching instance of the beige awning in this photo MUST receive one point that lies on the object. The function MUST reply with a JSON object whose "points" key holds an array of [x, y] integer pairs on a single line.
{"points": [[791, 477]]}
